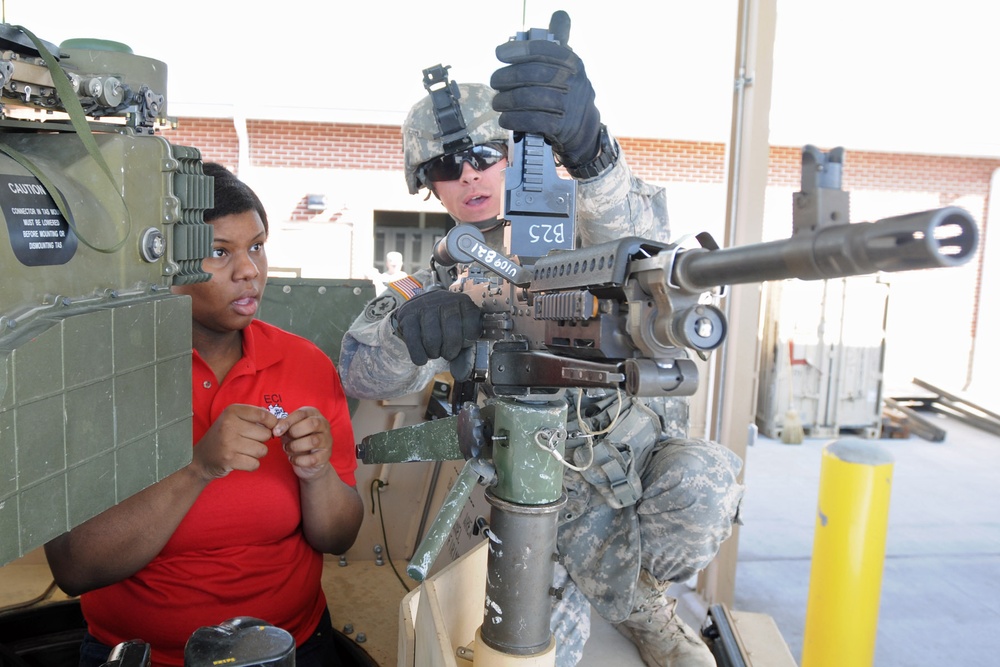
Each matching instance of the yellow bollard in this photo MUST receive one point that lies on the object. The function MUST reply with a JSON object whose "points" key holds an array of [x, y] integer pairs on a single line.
{"points": [[845, 581]]}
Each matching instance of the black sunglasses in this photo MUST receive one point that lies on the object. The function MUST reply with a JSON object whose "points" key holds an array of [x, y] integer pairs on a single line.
{"points": [[449, 167]]}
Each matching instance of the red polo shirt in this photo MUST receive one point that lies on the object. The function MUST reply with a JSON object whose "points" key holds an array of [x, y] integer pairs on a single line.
{"points": [[239, 551]]}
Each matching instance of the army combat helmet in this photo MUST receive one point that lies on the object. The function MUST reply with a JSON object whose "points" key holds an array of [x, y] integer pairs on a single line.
{"points": [[451, 118]]}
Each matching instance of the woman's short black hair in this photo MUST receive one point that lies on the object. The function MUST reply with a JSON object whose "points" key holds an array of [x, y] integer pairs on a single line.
{"points": [[232, 195]]}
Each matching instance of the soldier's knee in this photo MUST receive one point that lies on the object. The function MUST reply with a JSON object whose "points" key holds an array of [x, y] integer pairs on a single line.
{"points": [[695, 477], [697, 457]]}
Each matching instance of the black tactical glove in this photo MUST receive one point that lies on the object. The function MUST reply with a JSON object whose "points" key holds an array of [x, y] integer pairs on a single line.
{"points": [[545, 90], [437, 324]]}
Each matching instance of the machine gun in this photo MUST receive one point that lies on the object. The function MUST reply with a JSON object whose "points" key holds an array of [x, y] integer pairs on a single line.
{"points": [[622, 315]]}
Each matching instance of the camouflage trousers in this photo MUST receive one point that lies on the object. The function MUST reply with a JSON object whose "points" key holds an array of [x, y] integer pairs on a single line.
{"points": [[570, 619], [646, 501]]}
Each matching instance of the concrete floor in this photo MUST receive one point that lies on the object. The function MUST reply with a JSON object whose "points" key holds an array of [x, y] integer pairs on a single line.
{"points": [[940, 598]]}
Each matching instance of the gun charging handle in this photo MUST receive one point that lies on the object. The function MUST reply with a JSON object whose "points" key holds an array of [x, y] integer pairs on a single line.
{"points": [[465, 243], [537, 200]]}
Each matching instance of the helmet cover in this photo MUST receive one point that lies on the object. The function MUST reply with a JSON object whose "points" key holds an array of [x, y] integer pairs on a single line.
{"points": [[422, 140]]}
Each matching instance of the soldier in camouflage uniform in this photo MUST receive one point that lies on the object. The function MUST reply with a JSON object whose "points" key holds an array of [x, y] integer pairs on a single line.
{"points": [[653, 507]]}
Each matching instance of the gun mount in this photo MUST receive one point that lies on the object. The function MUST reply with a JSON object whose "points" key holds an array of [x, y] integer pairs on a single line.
{"points": [[100, 216]]}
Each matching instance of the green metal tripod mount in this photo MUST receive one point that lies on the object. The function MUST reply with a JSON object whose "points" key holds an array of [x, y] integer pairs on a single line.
{"points": [[513, 447]]}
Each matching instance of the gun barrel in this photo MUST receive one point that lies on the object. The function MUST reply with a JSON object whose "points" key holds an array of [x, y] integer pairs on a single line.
{"points": [[937, 238]]}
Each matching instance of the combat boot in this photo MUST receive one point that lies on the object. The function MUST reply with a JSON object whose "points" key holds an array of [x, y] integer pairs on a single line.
{"points": [[662, 637]]}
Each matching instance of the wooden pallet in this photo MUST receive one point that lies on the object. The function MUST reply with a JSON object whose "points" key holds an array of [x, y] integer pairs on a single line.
{"points": [[903, 412]]}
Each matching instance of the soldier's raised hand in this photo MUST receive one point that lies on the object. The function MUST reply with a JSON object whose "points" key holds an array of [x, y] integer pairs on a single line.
{"points": [[545, 90]]}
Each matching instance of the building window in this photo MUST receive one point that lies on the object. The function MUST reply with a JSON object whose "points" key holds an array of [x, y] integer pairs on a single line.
{"points": [[413, 234]]}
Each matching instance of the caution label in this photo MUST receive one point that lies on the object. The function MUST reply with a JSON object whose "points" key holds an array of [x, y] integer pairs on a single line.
{"points": [[39, 234]]}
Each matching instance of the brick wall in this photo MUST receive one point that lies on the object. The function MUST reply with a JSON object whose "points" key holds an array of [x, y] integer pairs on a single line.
{"points": [[216, 138], [276, 143], [339, 146]]}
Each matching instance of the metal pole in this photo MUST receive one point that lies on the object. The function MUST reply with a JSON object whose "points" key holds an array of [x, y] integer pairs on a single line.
{"points": [[848, 554], [519, 566]]}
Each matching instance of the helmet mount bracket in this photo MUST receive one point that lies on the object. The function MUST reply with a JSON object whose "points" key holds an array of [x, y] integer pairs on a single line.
{"points": [[447, 111]]}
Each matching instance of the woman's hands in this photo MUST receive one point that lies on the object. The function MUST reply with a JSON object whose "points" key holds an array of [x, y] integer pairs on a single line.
{"points": [[306, 438], [237, 441]]}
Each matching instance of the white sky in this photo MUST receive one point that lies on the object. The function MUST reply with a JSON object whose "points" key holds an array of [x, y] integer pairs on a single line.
{"points": [[865, 74]]}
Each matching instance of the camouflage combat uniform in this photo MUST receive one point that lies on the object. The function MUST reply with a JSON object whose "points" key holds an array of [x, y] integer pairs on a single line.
{"points": [[650, 500]]}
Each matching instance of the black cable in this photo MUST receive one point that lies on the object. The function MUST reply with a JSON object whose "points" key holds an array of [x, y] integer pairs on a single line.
{"points": [[381, 520]]}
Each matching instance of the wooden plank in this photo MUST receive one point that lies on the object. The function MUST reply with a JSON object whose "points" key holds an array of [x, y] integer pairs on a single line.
{"points": [[450, 609], [407, 640], [955, 398], [958, 407], [919, 425], [963, 414], [761, 640]]}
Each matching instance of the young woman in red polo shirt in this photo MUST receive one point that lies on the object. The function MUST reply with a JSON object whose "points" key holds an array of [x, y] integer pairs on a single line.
{"points": [[241, 530]]}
